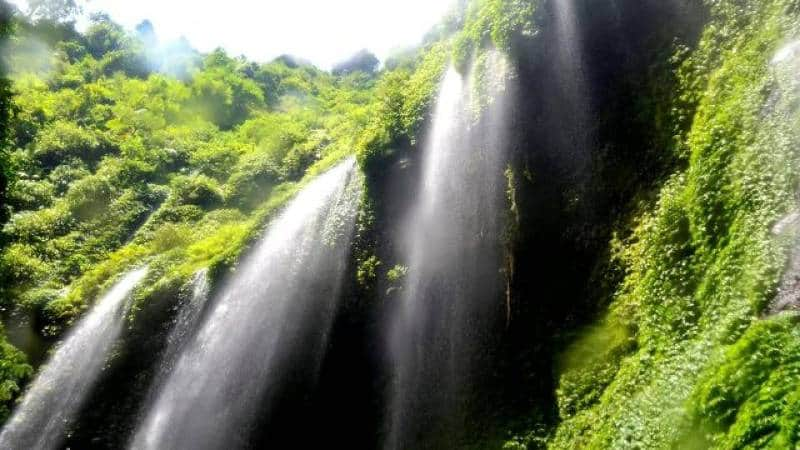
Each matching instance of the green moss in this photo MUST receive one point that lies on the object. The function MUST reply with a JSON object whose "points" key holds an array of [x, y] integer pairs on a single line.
{"points": [[492, 23], [404, 100], [701, 267], [749, 397], [405, 95], [64, 310]]}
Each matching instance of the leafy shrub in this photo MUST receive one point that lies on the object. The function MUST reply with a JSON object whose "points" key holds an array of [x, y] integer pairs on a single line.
{"points": [[90, 196], [64, 175], [257, 172], [396, 273], [367, 270], [30, 194], [20, 266], [223, 95], [14, 371], [170, 236], [197, 190], [38, 226], [65, 140]]}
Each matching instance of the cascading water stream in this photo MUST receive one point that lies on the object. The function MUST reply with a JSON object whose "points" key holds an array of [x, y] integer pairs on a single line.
{"points": [[568, 35], [571, 74], [782, 119], [453, 291], [272, 316], [64, 382], [186, 322]]}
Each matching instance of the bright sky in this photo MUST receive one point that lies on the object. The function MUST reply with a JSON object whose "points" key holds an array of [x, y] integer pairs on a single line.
{"points": [[322, 31]]}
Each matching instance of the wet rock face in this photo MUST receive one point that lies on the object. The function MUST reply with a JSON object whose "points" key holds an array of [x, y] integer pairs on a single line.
{"points": [[788, 295], [788, 298]]}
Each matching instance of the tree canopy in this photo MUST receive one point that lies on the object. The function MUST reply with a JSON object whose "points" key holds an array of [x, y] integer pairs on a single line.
{"points": [[363, 61]]}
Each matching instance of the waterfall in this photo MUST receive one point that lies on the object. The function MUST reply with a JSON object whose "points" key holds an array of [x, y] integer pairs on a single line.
{"points": [[781, 117], [64, 382], [268, 322], [185, 325], [186, 322], [453, 291], [573, 84]]}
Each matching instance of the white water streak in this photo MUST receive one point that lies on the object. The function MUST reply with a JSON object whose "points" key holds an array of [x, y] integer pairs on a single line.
{"points": [[64, 383], [453, 255], [279, 302]]}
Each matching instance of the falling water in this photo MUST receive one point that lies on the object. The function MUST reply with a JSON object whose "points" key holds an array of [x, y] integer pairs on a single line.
{"points": [[571, 72], [452, 294], [568, 33], [782, 122], [64, 382], [186, 321], [272, 315], [185, 325]]}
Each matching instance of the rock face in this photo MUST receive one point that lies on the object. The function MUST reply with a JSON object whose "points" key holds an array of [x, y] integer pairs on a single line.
{"points": [[782, 107], [788, 297], [584, 261]]}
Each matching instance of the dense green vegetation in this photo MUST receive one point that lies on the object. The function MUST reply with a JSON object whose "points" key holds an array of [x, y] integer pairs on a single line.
{"points": [[116, 161], [121, 154], [115, 156], [14, 370], [687, 356]]}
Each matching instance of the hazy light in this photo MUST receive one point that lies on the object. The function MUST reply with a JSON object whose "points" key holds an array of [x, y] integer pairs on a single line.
{"points": [[322, 31]]}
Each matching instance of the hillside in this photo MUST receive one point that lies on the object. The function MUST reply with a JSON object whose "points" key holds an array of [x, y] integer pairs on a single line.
{"points": [[570, 224]]}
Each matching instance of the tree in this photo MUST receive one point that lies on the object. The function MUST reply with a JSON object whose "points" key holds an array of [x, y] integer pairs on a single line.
{"points": [[147, 34], [291, 61], [223, 94], [104, 36], [363, 61], [6, 28], [53, 10], [116, 50]]}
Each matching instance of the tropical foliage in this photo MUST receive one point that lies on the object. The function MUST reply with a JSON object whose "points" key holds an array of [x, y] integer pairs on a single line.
{"points": [[115, 150]]}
